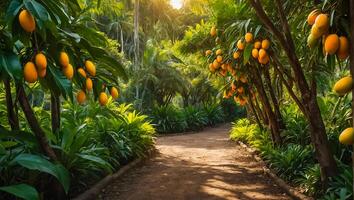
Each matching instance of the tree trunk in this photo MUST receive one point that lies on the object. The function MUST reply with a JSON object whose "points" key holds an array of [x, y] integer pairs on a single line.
{"points": [[33, 123], [121, 38], [250, 102], [55, 111], [273, 98], [260, 112], [320, 141], [136, 33], [273, 123], [11, 113], [312, 111]]}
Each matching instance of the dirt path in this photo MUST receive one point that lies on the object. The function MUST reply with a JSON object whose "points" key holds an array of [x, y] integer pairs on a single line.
{"points": [[199, 166]]}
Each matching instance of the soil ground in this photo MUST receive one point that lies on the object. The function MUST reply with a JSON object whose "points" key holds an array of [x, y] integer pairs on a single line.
{"points": [[198, 166]]}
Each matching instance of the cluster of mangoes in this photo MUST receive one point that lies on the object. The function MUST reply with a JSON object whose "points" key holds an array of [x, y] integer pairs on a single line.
{"points": [[38, 68]]}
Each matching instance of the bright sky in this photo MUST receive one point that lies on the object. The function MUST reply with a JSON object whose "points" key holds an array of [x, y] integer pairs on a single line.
{"points": [[177, 4]]}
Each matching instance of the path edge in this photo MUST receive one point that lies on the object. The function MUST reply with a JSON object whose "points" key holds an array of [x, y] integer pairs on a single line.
{"points": [[95, 190], [294, 193]]}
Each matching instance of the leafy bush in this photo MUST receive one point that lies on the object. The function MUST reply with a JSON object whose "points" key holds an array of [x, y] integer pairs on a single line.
{"points": [[243, 130], [195, 117], [290, 161], [168, 119], [214, 113], [341, 186], [310, 180], [297, 128], [171, 119], [93, 141], [294, 162]]}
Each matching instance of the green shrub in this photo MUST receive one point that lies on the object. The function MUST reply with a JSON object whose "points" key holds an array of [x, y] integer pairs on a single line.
{"points": [[214, 113], [341, 186], [290, 161], [96, 140], [243, 130], [168, 119], [195, 117], [93, 141], [297, 128], [171, 119], [310, 180]]}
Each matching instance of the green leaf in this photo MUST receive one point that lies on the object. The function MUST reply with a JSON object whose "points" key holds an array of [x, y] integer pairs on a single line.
{"points": [[74, 36], [247, 24], [23, 191], [247, 53], [331, 61], [94, 37], [11, 63], [56, 10], [34, 162], [21, 136], [63, 176], [36, 9], [42, 17], [2, 149], [98, 160], [62, 84], [257, 30], [332, 18], [114, 65], [12, 11]]}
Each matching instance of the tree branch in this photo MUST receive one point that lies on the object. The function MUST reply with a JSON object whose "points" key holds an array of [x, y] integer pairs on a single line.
{"points": [[33, 123], [287, 85], [296, 66], [11, 113], [55, 112]]}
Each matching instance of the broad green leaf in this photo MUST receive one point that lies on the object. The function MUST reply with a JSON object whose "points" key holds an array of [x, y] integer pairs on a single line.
{"points": [[2, 149], [21, 136], [247, 53], [60, 81], [56, 10], [9, 144], [23, 191], [96, 38], [115, 65], [74, 36], [257, 31], [37, 10], [12, 11], [34, 162], [98, 160], [11, 63], [331, 61], [63, 176]]}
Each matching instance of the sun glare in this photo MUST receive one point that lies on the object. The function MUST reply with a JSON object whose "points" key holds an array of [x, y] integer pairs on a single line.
{"points": [[176, 4]]}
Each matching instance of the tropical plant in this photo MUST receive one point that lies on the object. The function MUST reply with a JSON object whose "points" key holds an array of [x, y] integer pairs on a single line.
{"points": [[168, 119], [214, 113], [290, 161], [195, 117], [310, 181]]}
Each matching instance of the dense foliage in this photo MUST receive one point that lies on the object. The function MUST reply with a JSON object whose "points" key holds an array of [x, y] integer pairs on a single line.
{"points": [[288, 65], [294, 162], [63, 65], [171, 119]]}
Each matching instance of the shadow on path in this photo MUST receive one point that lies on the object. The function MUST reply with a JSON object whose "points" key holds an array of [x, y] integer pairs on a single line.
{"points": [[204, 165]]}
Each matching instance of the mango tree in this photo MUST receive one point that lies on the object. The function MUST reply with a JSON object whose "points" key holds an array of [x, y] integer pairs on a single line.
{"points": [[47, 44]]}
